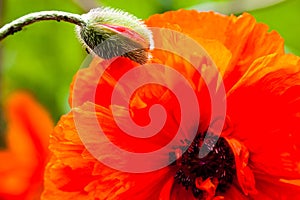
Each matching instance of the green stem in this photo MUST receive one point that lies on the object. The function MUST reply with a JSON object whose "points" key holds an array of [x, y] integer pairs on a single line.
{"points": [[18, 24], [2, 120]]}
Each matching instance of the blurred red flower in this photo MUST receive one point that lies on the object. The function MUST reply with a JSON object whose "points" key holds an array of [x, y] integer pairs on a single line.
{"points": [[27, 139], [258, 153]]}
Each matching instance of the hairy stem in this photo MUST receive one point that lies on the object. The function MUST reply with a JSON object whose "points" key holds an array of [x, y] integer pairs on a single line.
{"points": [[2, 122], [18, 24]]}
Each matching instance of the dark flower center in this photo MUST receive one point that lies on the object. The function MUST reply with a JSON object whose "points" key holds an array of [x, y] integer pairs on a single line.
{"points": [[195, 167]]}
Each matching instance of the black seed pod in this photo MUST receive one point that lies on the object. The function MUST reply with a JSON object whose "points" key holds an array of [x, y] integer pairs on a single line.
{"points": [[218, 164]]}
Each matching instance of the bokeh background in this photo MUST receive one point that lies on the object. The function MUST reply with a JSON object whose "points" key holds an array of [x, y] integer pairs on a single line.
{"points": [[44, 57]]}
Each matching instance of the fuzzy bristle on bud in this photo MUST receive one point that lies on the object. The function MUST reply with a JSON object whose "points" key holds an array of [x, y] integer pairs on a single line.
{"points": [[110, 33]]}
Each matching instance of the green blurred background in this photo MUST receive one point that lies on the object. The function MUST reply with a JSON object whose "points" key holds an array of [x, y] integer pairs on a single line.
{"points": [[44, 57]]}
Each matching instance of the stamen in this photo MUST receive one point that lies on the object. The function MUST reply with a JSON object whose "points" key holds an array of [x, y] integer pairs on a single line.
{"points": [[195, 168]]}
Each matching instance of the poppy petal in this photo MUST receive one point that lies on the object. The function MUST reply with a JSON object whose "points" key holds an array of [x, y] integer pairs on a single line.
{"points": [[268, 123], [246, 39], [28, 127], [74, 171]]}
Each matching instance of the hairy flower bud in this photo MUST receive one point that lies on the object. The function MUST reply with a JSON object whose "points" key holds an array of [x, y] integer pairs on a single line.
{"points": [[109, 33]]}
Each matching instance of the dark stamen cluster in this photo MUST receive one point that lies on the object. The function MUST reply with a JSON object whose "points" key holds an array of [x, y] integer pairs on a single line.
{"points": [[195, 163]]}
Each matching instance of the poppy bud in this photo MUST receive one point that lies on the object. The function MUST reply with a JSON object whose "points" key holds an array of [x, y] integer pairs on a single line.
{"points": [[110, 32]]}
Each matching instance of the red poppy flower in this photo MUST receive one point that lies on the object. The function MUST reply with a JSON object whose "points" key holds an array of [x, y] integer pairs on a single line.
{"points": [[257, 155], [24, 159]]}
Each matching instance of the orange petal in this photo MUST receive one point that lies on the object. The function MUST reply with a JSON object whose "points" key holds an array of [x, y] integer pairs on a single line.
{"points": [[264, 106], [246, 39], [74, 171], [207, 25], [244, 174], [235, 193], [28, 127], [207, 187], [99, 78], [274, 188]]}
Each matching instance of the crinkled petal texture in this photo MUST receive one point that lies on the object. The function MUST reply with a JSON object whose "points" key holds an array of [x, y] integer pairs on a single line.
{"points": [[73, 173], [24, 159], [246, 39], [263, 112], [264, 107]]}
